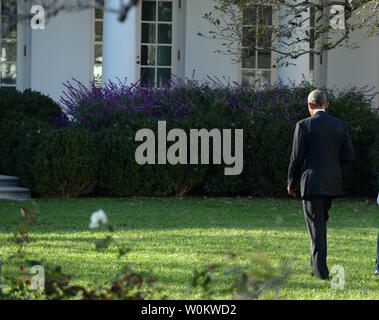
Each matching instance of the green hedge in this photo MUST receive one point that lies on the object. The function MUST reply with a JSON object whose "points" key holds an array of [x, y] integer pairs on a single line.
{"points": [[65, 163], [22, 115], [69, 162], [119, 173], [73, 161]]}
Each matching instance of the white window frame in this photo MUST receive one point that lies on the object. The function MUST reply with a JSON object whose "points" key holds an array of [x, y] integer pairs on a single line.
{"points": [[94, 42], [274, 55], [176, 54]]}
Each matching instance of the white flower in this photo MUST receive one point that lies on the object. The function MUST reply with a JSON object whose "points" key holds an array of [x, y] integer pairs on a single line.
{"points": [[97, 218]]}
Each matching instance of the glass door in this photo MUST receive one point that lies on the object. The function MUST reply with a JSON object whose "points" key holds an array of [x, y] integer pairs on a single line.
{"points": [[156, 41]]}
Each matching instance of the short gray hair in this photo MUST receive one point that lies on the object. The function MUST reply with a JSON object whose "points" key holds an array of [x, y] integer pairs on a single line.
{"points": [[317, 98]]}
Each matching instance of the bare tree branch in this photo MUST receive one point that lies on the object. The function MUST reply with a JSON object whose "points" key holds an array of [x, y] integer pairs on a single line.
{"points": [[52, 8], [291, 34]]}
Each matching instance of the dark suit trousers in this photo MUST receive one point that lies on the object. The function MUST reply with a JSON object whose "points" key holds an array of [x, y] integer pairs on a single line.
{"points": [[316, 216]]}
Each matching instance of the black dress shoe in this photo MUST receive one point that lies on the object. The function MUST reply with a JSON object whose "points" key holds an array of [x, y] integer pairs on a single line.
{"points": [[313, 275]]}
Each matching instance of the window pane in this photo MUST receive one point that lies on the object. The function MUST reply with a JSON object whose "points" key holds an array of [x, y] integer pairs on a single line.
{"points": [[148, 33], [148, 10], [264, 59], [97, 74], [98, 12], [147, 76], [8, 73], [248, 58], [8, 88], [248, 34], [249, 16], [10, 25], [163, 76], [164, 11], [265, 16], [148, 55], [264, 38], [8, 51], [264, 76], [99, 31], [98, 53], [310, 77], [248, 77], [164, 33], [8, 7], [164, 56]]}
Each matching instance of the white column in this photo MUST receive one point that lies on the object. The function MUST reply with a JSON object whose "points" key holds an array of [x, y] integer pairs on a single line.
{"points": [[23, 48], [119, 45]]}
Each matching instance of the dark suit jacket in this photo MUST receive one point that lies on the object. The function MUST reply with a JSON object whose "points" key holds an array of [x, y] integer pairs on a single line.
{"points": [[322, 144]]}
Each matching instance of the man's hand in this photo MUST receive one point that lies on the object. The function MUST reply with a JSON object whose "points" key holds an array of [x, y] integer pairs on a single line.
{"points": [[291, 192]]}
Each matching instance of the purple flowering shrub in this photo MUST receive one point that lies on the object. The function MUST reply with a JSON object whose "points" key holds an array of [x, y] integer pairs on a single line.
{"points": [[95, 108]]}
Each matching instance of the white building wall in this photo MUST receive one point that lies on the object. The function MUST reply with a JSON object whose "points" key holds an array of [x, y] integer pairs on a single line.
{"points": [[355, 67], [61, 52], [298, 69], [64, 51], [199, 51]]}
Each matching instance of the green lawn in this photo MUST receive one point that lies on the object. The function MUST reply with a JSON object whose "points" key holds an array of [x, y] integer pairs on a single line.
{"points": [[171, 237]]}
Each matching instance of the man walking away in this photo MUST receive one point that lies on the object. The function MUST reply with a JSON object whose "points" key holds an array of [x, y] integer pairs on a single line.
{"points": [[321, 144]]}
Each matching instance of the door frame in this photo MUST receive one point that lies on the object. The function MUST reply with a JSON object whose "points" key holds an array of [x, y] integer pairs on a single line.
{"points": [[176, 52]]}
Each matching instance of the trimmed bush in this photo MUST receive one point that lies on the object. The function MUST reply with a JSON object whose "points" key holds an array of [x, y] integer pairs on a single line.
{"points": [[353, 107], [267, 151], [65, 163], [27, 139], [20, 114], [120, 175], [118, 172], [21, 106]]}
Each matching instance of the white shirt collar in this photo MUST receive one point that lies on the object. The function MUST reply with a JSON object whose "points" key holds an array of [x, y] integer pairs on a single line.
{"points": [[317, 110]]}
